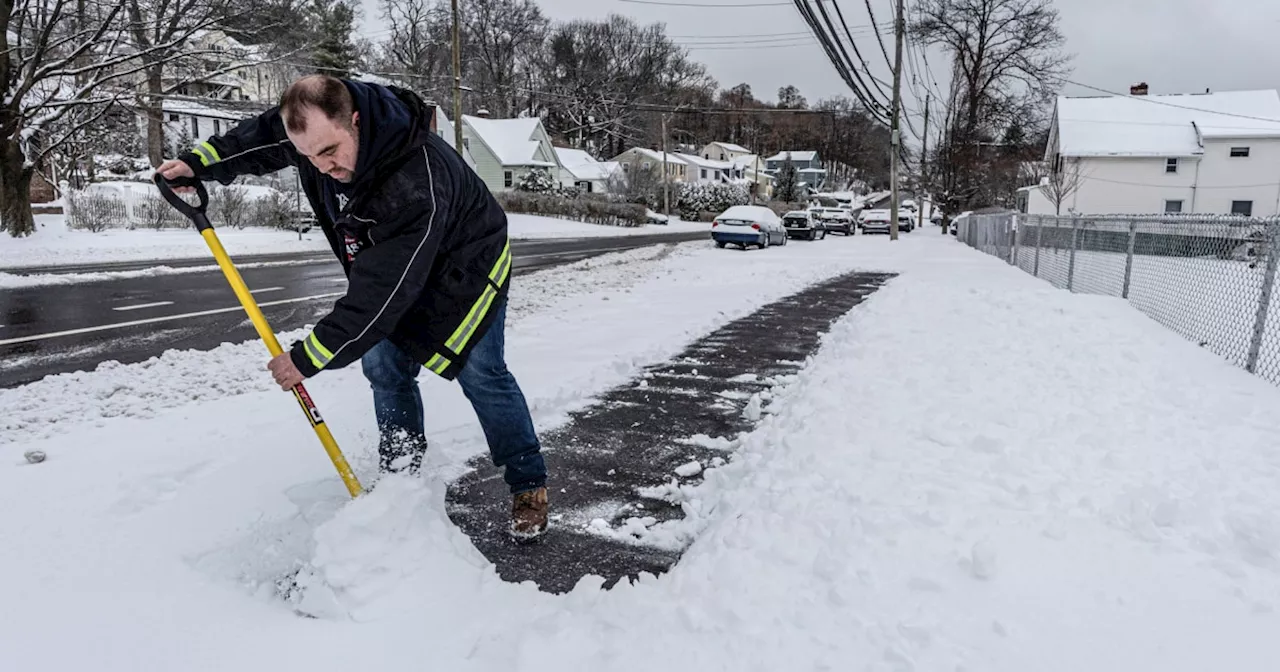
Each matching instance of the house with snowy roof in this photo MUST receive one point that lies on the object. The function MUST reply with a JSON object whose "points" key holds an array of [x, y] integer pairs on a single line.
{"points": [[1213, 153], [724, 151], [706, 170], [505, 150], [809, 170], [584, 171], [644, 159]]}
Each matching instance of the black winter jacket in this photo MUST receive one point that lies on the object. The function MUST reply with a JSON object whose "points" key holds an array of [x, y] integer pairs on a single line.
{"points": [[423, 242]]}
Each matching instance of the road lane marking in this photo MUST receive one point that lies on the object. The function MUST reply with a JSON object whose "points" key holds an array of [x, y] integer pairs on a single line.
{"points": [[153, 320], [265, 290], [144, 305]]}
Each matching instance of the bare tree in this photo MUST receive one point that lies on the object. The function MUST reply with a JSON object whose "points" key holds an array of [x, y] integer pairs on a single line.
{"points": [[1063, 182], [158, 30], [58, 61], [1004, 54], [419, 44], [504, 37]]}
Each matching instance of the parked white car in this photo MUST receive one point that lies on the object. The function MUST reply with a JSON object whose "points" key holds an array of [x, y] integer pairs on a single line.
{"points": [[877, 221], [744, 225], [835, 219], [802, 224]]}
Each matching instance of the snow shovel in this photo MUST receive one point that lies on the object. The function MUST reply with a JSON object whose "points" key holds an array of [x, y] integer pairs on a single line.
{"points": [[197, 215]]}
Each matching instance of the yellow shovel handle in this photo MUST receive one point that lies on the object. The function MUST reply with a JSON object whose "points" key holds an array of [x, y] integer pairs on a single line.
{"points": [[264, 331]]}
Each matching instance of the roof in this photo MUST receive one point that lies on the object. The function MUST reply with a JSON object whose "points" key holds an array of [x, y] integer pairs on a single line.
{"points": [[512, 141], [795, 156], [732, 147], [583, 165], [710, 164], [1163, 125], [672, 157], [195, 109]]}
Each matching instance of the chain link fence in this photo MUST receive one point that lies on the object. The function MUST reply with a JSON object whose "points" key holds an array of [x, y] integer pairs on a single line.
{"points": [[1209, 278]]}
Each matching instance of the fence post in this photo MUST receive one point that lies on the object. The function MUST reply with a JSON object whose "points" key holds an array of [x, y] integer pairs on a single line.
{"points": [[1128, 260], [1071, 262], [1264, 302], [1039, 231], [1013, 254]]}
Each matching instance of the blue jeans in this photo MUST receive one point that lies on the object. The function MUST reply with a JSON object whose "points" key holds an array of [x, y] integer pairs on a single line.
{"points": [[493, 392]]}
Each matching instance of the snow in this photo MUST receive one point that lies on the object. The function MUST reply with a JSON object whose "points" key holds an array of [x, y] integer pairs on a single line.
{"points": [[536, 227], [583, 166], [749, 212], [1032, 479], [10, 280], [1162, 125], [795, 156], [512, 141], [54, 244]]}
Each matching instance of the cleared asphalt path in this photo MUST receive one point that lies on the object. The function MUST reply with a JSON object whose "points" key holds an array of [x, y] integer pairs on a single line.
{"points": [[61, 328]]}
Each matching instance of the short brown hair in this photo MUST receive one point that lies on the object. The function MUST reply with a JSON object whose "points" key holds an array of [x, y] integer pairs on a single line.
{"points": [[322, 92]]}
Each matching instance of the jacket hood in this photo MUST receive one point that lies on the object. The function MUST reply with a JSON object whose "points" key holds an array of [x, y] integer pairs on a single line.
{"points": [[386, 125]]}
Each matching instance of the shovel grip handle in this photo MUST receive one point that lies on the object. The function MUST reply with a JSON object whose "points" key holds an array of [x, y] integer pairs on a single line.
{"points": [[196, 213]]}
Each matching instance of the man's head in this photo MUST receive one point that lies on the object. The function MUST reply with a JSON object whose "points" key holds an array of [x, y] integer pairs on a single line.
{"points": [[322, 123]]}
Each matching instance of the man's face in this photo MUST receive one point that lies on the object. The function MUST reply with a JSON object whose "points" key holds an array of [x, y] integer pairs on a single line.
{"points": [[330, 146]]}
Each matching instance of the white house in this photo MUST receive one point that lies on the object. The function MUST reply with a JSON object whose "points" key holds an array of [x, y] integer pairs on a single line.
{"points": [[582, 170], [724, 151], [505, 150], [706, 170], [187, 122], [1138, 154], [640, 158]]}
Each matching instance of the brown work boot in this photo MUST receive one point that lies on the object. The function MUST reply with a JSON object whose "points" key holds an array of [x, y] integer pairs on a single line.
{"points": [[529, 514]]}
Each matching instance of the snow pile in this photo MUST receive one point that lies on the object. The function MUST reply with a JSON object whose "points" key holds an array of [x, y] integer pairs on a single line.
{"points": [[54, 244], [976, 471], [9, 280]]}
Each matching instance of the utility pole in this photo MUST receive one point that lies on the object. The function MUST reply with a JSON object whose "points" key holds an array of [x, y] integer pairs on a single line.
{"points": [[666, 185], [896, 140], [457, 81], [924, 164]]}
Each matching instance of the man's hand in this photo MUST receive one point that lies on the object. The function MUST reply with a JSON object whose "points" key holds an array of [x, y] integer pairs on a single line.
{"points": [[285, 373], [175, 168]]}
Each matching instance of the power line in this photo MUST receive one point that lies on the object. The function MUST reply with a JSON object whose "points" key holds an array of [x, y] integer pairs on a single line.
{"points": [[1157, 101], [840, 60]]}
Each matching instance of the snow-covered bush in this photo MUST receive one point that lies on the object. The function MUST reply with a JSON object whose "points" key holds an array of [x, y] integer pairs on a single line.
{"points": [[153, 212], [710, 197], [537, 181], [590, 209]]}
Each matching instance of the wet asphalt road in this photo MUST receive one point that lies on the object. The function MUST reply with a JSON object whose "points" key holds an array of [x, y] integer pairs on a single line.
{"points": [[54, 329]]}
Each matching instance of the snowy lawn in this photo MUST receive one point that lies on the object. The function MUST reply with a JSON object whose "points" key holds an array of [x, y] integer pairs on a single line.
{"points": [[54, 244], [976, 471]]}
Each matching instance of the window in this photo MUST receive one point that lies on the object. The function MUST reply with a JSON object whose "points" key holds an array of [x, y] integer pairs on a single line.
{"points": [[174, 117], [1171, 165], [217, 127], [703, 174], [466, 142], [646, 165], [507, 179], [1242, 208], [1239, 152], [1173, 206], [195, 128]]}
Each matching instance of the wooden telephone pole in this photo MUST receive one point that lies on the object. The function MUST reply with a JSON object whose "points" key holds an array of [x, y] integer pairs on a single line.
{"points": [[666, 184], [924, 163], [896, 140], [457, 81]]}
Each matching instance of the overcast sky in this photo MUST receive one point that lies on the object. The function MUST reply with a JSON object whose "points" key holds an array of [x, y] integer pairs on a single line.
{"points": [[1176, 46]]}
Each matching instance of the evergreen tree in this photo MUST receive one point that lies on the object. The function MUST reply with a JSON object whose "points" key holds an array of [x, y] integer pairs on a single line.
{"points": [[786, 189], [333, 23]]}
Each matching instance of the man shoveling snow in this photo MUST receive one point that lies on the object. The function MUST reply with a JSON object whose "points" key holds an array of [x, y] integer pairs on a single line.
{"points": [[425, 249]]}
